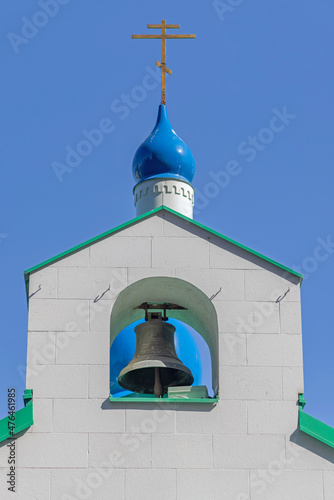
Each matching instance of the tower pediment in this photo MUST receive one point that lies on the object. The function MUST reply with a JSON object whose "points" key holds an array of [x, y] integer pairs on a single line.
{"points": [[174, 246]]}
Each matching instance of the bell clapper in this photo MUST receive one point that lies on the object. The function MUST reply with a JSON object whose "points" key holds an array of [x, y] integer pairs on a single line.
{"points": [[158, 389]]}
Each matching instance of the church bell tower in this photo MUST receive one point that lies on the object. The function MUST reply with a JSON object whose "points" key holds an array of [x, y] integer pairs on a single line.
{"points": [[164, 359]]}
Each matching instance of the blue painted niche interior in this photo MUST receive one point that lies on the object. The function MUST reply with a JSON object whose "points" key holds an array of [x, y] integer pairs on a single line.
{"points": [[190, 347]]}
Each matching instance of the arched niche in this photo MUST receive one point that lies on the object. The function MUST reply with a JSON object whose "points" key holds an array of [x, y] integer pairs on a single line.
{"points": [[199, 312]]}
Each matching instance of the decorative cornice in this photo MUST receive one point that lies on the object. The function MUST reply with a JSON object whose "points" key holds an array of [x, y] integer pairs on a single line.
{"points": [[142, 190]]}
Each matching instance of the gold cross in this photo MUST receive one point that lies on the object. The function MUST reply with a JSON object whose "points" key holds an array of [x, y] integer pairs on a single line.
{"points": [[163, 26]]}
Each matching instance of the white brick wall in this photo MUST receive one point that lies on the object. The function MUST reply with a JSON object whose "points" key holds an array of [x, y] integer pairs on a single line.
{"points": [[180, 252], [99, 381], [247, 317], [87, 415], [150, 419], [101, 483], [263, 286], [183, 451], [232, 349], [31, 484], [210, 281], [85, 348], [211, 484], [227, 417], [277, 484], [250, 382], [225, 255], [148, 227], [290, 317], [143, 484], [42, 450], [99, 315], [54, 315], [85, 446], [136, 274], [310, 453], [238, 451], [41, 348], [173, 226], [329, 484], [274, 350], [88, 283], [77, 259], [46, 280], [43, 416], [123, 451], [61, 381], [272, 417], [293, 382], [119, 251]]}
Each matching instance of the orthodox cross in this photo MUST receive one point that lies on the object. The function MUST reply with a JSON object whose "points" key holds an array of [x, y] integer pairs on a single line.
{"points": [[163, 26]]}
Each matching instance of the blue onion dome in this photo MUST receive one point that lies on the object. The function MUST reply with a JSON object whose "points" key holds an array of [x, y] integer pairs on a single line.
{"points": [[163, 154]]}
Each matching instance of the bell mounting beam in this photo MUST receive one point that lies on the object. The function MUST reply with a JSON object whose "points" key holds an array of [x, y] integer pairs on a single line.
{"points": [[163, 37], [166, 306]]}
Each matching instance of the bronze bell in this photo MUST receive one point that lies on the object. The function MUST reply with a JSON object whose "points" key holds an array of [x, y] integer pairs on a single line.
{"points": [[155, 365]]}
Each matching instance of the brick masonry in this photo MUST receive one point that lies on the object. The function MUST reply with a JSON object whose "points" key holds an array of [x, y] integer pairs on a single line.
{"points": [[246, 447]]}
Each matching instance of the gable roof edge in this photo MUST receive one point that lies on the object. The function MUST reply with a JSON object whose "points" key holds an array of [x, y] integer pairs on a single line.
{"points": [[134, 221]]}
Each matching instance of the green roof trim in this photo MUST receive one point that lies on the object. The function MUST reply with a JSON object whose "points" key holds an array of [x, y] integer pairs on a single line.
{"points": [[314, 427], [23, 419], [134, 221]]}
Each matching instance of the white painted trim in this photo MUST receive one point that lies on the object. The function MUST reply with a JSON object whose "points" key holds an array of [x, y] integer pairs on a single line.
{"points": [[172, 193]]}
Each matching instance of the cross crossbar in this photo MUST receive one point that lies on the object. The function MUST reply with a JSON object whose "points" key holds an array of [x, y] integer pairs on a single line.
{"points": [[163, 37], [168, 26]]}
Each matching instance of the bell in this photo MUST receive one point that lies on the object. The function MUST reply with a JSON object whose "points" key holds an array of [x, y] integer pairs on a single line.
{"points": [[155, 365]]}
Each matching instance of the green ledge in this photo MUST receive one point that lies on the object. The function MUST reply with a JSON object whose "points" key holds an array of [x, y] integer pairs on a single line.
{"points": [[23, 419], [314, 427], [153, 399], [134, 221]]}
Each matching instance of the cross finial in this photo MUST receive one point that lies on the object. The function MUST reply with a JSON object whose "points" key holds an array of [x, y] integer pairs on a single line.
{"points": [[163, 36]]}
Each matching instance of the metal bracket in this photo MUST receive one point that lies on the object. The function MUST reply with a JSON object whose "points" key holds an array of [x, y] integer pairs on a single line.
{"points": [[147, 306], [301, 400]]}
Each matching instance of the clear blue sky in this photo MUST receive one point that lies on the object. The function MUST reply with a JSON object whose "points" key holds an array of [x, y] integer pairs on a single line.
{"points": [[248, 63]]}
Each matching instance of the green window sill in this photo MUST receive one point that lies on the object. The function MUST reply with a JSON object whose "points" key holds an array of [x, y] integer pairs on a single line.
{"points": [[137, 398]]}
